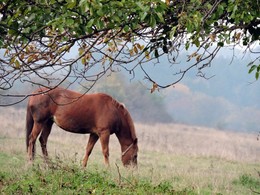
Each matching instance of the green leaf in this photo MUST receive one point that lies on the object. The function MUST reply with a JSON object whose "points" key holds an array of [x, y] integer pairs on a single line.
{"points": [[156, 53], [90, 23], [100, 12], [173, 32], [32, 17], [116, 18], [197, 43], [165, 49], [257, 75], [258, 68], [1, 43], [143, 16], [187, 45], [71, 4], [152, 21], [100, 24], [69, 21], [140, 5], [159, 15], [126, 28], [252, 69], [220, 44], [84, 5], [189, 26]]}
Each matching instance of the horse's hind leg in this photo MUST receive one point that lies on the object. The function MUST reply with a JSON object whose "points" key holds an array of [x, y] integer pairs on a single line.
{"points": [[37, 127], [91, 142], [44, 137]]}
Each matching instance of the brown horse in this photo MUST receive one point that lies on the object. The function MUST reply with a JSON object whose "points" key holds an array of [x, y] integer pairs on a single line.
{"points": [[97, 114]]}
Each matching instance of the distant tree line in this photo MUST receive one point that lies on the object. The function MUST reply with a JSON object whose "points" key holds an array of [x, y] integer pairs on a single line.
{"points": [[143, 106]]}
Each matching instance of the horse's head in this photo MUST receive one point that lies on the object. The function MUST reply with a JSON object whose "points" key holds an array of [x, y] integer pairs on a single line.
{"points": [[129, 156]]}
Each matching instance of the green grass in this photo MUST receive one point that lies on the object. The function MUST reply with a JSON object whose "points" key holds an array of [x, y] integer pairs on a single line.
{"points": [[249, 181], [69, 178]]}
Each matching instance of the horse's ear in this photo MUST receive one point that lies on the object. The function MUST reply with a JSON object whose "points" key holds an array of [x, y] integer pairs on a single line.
{"points": [[135, 141]]}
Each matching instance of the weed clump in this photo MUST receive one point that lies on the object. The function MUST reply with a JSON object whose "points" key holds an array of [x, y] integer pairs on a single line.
{"points": [[249, 181]]}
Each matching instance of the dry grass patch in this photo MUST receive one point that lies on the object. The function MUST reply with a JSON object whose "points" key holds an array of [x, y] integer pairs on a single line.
{"points": [[175, 139], [199, 141]]}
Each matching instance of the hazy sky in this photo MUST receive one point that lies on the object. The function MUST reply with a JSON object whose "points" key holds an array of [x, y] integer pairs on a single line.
{"points": [[229, 100]]}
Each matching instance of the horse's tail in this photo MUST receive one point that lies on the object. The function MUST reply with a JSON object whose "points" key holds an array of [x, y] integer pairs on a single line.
{"points": [[29, 126]]}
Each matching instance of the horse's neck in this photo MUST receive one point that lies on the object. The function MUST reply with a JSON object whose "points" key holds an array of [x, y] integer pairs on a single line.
{"points": [[125, 139]]}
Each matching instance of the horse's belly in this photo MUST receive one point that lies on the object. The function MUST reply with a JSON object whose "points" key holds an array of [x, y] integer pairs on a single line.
{"points": [[72, 125]]}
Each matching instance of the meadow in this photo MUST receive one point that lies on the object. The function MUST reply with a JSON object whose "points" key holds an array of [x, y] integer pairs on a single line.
{"points": [[173, 159]]}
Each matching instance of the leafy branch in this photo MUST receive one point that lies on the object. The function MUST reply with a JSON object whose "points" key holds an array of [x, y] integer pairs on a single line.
{"points": [[49, 42]]}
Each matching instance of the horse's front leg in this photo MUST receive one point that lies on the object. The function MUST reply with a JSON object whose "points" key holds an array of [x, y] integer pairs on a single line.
{"points": [[91, 142], [104, 139]]}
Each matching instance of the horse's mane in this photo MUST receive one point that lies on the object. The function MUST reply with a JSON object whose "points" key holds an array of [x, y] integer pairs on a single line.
{"points": [[127, 115], [130, 123]]}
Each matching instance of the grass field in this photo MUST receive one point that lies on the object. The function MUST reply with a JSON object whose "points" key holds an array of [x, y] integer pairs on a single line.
{"points": [[173, 159]]}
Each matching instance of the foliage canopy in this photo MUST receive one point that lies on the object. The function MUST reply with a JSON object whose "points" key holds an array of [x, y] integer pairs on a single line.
{"points": [[46, 41]]}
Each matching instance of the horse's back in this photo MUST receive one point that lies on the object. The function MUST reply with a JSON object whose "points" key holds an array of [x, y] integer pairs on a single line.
{"points": [[75, 112]]}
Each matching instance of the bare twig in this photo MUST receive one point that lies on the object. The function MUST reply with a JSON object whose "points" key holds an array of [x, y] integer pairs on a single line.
{"points": [[119, 175]]}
